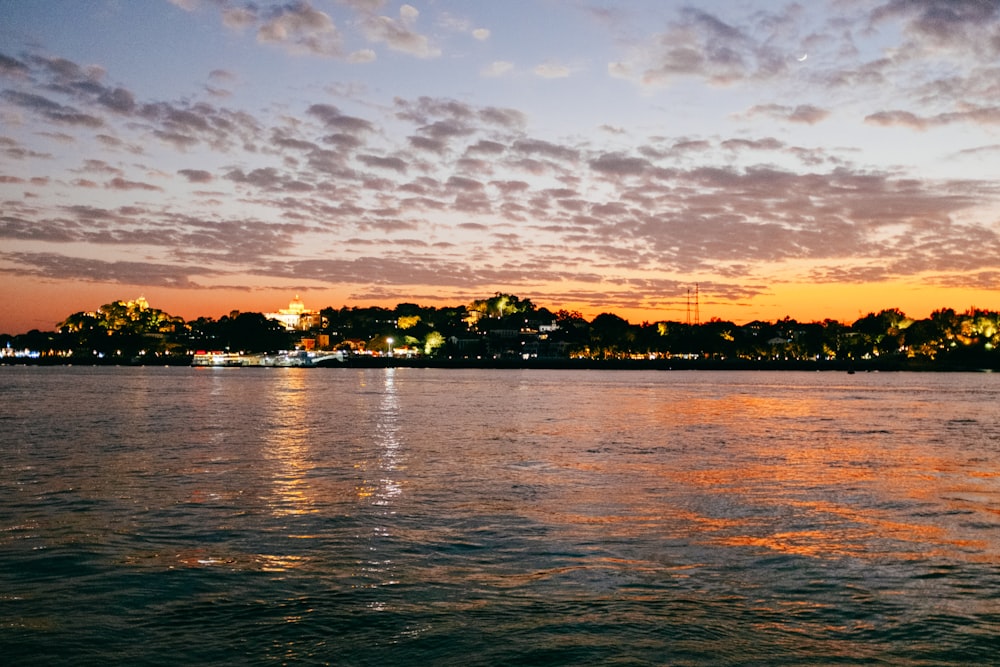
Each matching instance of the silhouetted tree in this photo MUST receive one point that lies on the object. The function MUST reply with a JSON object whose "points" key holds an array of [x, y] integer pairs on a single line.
{"points": [[610, 335], [252, 332]]}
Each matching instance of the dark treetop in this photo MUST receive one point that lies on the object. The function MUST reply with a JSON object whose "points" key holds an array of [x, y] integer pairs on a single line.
{"points": [[504, 330]]}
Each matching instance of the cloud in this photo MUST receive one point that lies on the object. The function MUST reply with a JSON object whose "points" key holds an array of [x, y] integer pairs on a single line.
{"points": [[486, 147], [365, 6], [428, 144], [803, 113], [12, 67], [551, 71], [408, 14], [92, 165], [546, 148], [962, 23], [767, 144], [187, 239], [185, 125], [429, 270], [399, 34], [68, 72], [186, 5], [61, 137], [118, 99], [53, 111], [239, 18], [888, 118], [122, 184], [342, 141], [985, 150], [64, 267], [378, 162], [466, 184], [511, 119], [617, 164], [698, 44], [616, 213], [424, 109], [295, 26], [20, 228], [362, 56], [460, 25], [270, 179], [445, 129], [968, 114], [497, 68], [980, 280], [332, 118], [808, 114], [300, 29], [222, 75], [196, 175]]}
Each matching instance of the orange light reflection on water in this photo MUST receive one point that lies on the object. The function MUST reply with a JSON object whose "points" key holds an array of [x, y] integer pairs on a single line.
{"points": [[862, 482], [287, 445]]}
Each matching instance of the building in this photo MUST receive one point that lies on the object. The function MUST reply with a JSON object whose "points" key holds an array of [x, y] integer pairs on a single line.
{"points": [[296, 317]]}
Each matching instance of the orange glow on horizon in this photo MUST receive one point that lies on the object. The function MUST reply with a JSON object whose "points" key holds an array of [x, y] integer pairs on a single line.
{"points": [[30, 304]]}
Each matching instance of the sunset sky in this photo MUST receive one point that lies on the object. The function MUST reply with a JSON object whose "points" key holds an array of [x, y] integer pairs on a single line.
{"points": [[813, 159]]}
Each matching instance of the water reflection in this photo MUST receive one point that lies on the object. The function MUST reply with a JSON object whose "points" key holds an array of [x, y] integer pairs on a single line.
{"points": [[863, 463], [381, 487], [821, 474], [527, 518], [287, 445]]}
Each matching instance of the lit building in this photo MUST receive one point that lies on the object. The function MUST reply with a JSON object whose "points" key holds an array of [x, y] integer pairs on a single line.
{"points": [[296, 317]]}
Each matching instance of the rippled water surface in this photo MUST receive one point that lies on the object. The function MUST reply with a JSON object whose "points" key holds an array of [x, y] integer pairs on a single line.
{"points": [[171, 516]]}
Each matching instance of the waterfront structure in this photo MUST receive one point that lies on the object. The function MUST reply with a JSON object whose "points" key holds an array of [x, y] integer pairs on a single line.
{"points": [[280, 359]]}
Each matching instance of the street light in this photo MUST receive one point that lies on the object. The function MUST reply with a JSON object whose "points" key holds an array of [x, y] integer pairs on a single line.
{"points": [[389, 342]]}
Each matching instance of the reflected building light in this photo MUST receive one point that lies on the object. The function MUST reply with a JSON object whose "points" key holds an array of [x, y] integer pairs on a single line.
{"points": [[383, 492], [287, 445], [279, 563], [387, 430]]}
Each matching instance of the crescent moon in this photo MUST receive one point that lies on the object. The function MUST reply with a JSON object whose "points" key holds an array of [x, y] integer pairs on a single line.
{"points": [[803, 58]]}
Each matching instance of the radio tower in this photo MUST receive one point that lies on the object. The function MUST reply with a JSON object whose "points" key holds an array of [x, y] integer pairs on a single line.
{"points": [[697, 316]]}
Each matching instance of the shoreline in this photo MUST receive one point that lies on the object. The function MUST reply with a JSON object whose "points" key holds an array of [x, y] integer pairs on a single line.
{"points": [[869, 365]]}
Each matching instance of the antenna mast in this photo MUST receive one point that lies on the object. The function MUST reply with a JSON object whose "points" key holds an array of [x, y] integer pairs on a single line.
{"points": [[697, 315]]}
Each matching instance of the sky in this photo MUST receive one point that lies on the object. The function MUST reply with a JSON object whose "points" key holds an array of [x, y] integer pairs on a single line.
{"points": [[812, 160]]}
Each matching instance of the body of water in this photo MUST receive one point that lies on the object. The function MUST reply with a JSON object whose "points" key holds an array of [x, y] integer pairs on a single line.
{"points": [[166, 516]]}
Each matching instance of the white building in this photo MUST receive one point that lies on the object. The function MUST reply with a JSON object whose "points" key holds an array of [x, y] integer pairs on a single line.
{"points": [[296, 317]]}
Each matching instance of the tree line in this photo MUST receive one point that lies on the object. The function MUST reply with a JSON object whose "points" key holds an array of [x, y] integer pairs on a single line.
{"points": [[506, 327]]}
